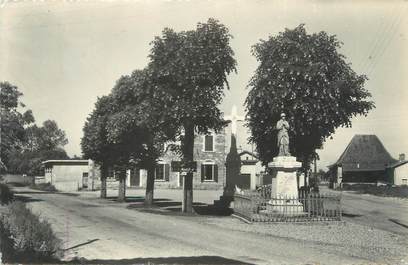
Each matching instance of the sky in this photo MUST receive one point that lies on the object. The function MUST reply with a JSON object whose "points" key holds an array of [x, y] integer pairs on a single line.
{"points": [[64, 54]]}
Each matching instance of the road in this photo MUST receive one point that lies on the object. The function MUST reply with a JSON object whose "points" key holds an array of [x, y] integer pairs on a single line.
{"points": [[101, 229], [380, 212]]}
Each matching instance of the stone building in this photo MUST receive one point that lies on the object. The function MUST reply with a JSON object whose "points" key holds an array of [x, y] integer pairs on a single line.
{"points": [[209, 153]]}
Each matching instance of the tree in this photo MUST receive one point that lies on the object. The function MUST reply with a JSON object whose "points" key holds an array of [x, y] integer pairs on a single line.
{"points": [[304, 76], [137, 124], [29, 162], [12, 122], [39, 144], [94, 142], [190, 69]]}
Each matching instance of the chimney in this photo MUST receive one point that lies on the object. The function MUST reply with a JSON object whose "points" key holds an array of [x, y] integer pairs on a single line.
{"points": [[401, 157]]}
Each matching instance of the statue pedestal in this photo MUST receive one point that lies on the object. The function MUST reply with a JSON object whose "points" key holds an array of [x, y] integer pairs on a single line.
{"points": [[284, 192]]}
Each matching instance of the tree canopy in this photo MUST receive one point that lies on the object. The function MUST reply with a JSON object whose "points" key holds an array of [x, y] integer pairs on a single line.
{"points": [[189, 70], [12, 122], [304, 76]]}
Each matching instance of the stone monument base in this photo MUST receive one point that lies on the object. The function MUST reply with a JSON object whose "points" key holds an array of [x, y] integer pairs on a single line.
{"points": [[284, 179], [284, 192]]}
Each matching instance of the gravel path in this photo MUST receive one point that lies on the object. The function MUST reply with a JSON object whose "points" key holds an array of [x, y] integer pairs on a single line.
{"points": [[344, 237]]}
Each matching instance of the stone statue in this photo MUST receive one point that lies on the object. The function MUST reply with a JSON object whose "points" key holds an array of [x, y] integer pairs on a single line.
{"points": [[283, 137]]}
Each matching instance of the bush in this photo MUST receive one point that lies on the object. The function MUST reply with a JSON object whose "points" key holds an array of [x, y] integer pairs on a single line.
{"points": [[26, 238], [6, 195], [44, 187], [385, 191]]}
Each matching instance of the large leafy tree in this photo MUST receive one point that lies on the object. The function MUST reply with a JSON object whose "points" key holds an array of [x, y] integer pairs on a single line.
{"points": [[138, 124], [40, 144], [304, 76], [94, 142], [12, 122], [190, 69]]}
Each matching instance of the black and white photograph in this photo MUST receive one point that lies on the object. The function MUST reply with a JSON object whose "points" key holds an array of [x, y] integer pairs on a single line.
{"points": [[202, 132]]}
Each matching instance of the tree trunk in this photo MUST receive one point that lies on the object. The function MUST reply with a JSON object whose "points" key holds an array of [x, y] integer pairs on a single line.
{"points": [[104, 175], [122, 186], [188, 154], [149, 185]]}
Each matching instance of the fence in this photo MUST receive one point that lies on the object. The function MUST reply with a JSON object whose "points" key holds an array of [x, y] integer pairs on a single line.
{"points": [[258, 206]]}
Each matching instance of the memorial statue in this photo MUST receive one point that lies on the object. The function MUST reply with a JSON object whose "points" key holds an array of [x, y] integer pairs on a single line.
{"points": [[283, 137]]}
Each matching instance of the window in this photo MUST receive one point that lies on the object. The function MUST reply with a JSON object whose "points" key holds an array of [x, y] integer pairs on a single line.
{"points": [[404, 182], [209, 143], [162, 172], [209, 171]]}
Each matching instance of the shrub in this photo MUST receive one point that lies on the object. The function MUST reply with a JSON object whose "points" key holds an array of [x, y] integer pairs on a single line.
{"points": [[387, 190], [6, 195], [25, 237], [44, 187]]}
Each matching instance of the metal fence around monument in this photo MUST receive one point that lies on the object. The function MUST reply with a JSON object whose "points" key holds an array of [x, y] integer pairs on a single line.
{"points": [[259, 206]]}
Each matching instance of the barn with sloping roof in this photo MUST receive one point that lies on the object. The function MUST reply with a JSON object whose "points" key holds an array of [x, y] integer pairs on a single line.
{"points": [[364, 160]]}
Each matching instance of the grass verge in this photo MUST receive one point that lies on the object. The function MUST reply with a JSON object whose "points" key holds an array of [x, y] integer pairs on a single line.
{"points": [[25, 237]]}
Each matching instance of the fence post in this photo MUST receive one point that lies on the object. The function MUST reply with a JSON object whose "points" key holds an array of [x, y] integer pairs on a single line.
{"points": [[341, 215]]}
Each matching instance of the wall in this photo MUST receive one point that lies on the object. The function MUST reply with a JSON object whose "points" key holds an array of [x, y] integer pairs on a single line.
{"points": [[400, 173], [68, 177], [17, 178]]}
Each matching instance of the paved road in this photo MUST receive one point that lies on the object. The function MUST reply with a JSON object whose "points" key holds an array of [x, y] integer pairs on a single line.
{"points": [[107, 230], [375, 211]]}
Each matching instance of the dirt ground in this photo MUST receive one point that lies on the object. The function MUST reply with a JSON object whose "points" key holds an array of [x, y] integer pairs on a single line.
{"points": [[92, 228]]}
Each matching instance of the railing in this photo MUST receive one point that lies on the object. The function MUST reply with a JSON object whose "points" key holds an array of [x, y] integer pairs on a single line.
{"points": [[258, 206]]}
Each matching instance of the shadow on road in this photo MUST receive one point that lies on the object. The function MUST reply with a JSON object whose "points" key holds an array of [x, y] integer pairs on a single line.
{"points": [[351, 215], [26, 199], [216, 260], [169, 207]]}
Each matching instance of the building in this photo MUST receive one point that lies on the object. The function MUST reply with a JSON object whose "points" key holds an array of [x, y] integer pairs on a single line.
{"points": [[365, 160], [71, 175], [209, 153], [398, 172], [251, 169]]}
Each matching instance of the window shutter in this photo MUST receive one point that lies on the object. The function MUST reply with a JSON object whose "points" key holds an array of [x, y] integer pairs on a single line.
{"points": [[216, 173], [166, 172], [202, 173]]}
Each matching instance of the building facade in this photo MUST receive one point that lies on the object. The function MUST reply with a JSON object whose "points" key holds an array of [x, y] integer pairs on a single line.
{"points": [[398, 172], [209, 154], [71, 175]]}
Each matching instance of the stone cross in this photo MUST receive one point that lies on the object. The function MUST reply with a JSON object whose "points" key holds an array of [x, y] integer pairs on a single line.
{"points": [[234, 118]]}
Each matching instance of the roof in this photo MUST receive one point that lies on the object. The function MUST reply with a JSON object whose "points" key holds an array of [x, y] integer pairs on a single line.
{"points": [[249, 153], [398, 163], [66, 162], [252, 161], [365, 153]]}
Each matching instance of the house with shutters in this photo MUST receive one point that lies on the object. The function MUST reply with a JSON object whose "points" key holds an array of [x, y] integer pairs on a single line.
{"points": [[209, 154]]}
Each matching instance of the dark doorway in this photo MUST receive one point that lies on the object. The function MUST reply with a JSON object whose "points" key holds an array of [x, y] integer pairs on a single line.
{"points": [[244, 181], [85, 180]]}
